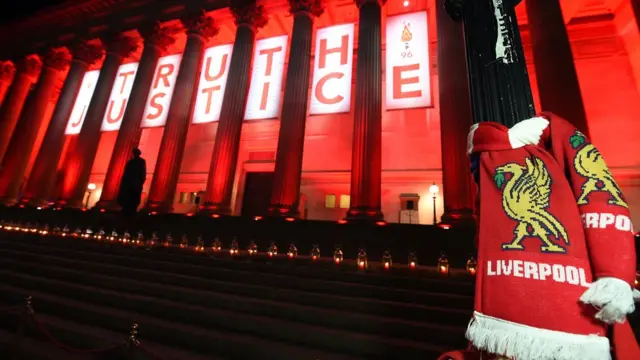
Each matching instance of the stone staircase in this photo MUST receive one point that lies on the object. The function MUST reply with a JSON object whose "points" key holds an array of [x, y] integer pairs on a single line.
{"points": [[191, 305]]}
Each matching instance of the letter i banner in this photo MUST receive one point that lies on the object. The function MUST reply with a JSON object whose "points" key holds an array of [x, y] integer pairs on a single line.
{"points": [[556, 253]]}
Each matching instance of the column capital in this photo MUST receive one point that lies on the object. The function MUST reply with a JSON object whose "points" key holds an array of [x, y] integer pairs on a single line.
{"points": [[156, 35], [30, 65], [57, 59], [6, 70], [200, 24], [360, 3], [312, 7], [249, 14], [120, 44], [86, 52]]}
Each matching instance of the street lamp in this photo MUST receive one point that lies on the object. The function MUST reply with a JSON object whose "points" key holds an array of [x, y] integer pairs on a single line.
{"points": [[90, 188], [434, 189]]}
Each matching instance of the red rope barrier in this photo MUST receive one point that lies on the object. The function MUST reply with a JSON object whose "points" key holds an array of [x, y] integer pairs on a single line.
{"points": [[149, 352], [9, 309], [67, 348]]}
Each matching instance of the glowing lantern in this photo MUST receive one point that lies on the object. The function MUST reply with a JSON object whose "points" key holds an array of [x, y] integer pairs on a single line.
{"points": [[315, 252], [200, 244], [252, 249], [154, 239], [34, 229], [184, 242], [126, 237], [636, 282], [472, 266], [77, 232], [149, 243], [99, 235], [443, 265], [293, 251], [386, 260], [65, 231], [45, 230], [363, 264], [57, 230], [216, 246], [413, 260], [234, 247], [88, 233], [168, 241], [114, 235], [26, 227], [139, 240], [338, 255], [273, 249]]}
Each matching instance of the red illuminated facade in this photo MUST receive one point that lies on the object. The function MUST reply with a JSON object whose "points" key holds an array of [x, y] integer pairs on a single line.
{"points": [[320, 109]]}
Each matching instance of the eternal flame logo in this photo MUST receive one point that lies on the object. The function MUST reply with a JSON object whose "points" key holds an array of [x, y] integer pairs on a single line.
{"points": [[525, 199], [589, 163]]}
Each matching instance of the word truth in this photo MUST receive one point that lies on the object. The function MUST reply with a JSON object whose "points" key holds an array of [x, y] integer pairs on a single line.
{"points": [[538, 271]]}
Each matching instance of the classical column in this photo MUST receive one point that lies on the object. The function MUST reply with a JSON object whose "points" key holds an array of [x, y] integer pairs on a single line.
{"points": [[496, 67], [636, 11], [16, 159], [156, 40], [165, 176], [41, 178], [558, 84], [77, 166], [366, 162], [455, 119], [28, 70], [249, 18], [286, 185], [6, 75]]}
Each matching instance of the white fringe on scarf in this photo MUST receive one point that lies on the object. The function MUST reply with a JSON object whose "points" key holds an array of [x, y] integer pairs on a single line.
{"points": [[613, 298], [522, 342]]}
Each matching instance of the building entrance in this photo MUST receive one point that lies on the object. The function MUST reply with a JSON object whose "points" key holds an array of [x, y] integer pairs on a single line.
{"points": [[257, 193]]}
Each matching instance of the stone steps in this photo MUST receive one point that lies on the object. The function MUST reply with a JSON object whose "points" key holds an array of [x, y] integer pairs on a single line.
{"points": [[233, 308]]}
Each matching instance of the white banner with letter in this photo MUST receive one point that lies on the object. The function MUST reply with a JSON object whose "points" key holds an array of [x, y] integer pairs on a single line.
{"points": [[265, 91], [119, 97], [79, 112], [213, 80], [161, 91]]}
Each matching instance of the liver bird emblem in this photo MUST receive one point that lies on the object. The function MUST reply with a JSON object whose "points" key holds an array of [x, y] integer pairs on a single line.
{"points": [[525, 199], [589, 163]]}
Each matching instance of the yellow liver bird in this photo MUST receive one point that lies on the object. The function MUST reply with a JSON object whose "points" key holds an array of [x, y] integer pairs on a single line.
{"points": [[525, 199], [589, 163]]}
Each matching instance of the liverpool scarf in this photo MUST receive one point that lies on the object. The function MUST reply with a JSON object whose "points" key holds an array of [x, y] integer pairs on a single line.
{"points": [[555, 245]]}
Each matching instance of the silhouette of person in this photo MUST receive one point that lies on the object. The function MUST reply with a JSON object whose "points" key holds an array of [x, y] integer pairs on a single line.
{"points": [[134, 176]]}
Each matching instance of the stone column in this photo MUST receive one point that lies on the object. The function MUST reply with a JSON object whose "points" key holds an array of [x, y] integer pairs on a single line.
{"points": [[249, 18], [635, 4], [156, 41], [43, 174], [455, 119], [78, 163], [165, 176], [16, 159], [558, 84], [288, 170], [28, 70], [6, 75], [366, 163]]}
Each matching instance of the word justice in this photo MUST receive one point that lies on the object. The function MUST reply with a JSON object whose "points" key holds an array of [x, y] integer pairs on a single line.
{"points": [[407, 83], [538, 271]]}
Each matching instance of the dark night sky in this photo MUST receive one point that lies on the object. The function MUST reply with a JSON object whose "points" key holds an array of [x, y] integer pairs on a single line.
{"points": [[11, 10]]}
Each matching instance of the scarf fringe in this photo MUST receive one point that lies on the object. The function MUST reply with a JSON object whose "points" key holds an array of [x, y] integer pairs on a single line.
{"points": [[522, 342], [613, 297]]}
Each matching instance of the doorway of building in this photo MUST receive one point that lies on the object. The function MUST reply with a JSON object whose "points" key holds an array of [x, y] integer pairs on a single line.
{"points": [[257, 193]]}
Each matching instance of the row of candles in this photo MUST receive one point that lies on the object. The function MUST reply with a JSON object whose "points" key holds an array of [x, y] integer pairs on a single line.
{"points": [[362, 262]]}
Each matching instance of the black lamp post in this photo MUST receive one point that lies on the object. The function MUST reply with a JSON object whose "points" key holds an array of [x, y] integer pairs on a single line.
{"points": [[434, 189], [497, 70]]}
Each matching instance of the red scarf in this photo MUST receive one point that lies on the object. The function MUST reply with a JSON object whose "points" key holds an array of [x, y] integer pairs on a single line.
{"points": [[555, 245]]}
